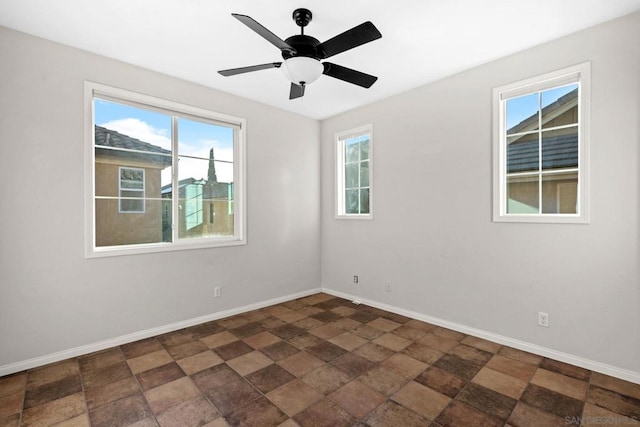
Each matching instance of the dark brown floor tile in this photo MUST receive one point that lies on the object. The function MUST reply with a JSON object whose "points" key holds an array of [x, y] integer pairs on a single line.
{"points": [[515, 368], [307, 323], [186, 349], [205, 329], [502, 383], [194, 412], [623, 387], [488, 401], [384, 380], [615, 402], [271, 322], [102, 395], [141, 347], [121, 412], [116, 372], [233, 394], [326, 379], [270, 378], [333, 303], [352, 364], [305, 340], [520, 355], [247, 329], [449, 333], [346, 324], [363, 317], [459, 367], [11, 404], [392, 414], [459, 414], [10, 421], [482, 344], [215, 377], [326, 316], [233, 350], [593, 416], [552, 402], [287, 331], [180, 336], [373, 352], [158, 376], [368, 332], [54, 412], [11, 384], [325, 413], [326, 331], [357, 399], [398, 318], [565, 369], [99, 360], [384, 324], [325, 351], [51, 373], [232, 322], [52, 391], [524, 415], [259, 413], [279, 350], [472, 354], [437, 342], [441, 381], [404, 365], [423, 353]]}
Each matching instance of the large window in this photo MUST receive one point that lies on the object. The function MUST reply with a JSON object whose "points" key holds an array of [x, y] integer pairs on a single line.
{"points": [[161, 175], [354, 150], [540, 148]]}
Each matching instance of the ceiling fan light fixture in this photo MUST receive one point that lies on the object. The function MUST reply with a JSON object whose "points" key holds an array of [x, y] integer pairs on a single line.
{"points": [[302, 70]]}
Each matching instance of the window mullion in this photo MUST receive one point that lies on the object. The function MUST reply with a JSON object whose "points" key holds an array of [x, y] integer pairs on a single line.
{"points": [[175, 181]]}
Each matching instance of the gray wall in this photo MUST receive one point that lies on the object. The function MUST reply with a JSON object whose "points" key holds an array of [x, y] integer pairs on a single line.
{"points": [[433, 238], [51, 297]]}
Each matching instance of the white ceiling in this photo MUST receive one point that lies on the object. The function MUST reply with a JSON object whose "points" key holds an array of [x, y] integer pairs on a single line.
{"points": [[422, 40]]}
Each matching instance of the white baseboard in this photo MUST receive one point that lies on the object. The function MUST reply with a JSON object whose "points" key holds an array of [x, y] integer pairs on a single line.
{"points": [[602, 368], [136, 336]]}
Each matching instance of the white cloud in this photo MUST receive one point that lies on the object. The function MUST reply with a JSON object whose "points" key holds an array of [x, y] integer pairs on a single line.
{"points": [[136, 128]]}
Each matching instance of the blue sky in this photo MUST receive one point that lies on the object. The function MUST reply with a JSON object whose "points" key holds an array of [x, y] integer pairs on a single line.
{"points": [[195, 138], [523, 107]]}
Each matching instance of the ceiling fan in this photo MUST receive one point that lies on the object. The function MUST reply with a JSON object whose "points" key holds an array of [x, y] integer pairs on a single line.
{"points": [[302, 53]]}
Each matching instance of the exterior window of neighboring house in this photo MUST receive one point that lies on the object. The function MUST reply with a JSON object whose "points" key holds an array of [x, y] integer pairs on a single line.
{"points": [[541, 148], [131, 190], [354, 150], [178, 168]]}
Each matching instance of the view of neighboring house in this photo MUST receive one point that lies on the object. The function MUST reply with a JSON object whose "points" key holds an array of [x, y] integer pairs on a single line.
{"points": [[132, 206], [545, 158]]}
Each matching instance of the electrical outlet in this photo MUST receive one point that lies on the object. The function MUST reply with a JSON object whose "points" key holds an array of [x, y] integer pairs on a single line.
{"points": [[543, 319], [387, 287], [355, 279], [217, 292]]}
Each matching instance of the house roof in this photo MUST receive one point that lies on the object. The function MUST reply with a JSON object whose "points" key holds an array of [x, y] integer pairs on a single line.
{"points": [[557, 152], [122, 146]]}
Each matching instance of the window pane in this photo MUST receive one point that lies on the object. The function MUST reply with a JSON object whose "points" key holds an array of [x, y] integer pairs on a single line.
{"points": [[560, 106], [351, 175], [351, 147], [522, 113], [522, 195], [523, 153], [114, 228], [364, 174], [364, 148], [351, 201], [364, 201], [560, 193], [560, 148]]}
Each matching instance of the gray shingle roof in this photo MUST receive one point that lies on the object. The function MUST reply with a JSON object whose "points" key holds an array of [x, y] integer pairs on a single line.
{"points": [[557, 152], [123, 146]]}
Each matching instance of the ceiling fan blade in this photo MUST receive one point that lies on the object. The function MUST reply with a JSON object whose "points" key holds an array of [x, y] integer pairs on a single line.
{"points": [[358, 35], [241, 70], [261, 30], [296, 91], [348, 75]]}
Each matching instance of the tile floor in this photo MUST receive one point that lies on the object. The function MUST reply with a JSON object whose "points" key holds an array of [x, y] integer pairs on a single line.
{"points": [[316, 361]]}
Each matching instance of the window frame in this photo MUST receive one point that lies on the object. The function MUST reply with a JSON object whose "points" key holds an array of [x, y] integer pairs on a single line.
{"points": [[340, 189], [580, 74], [92, 90]]}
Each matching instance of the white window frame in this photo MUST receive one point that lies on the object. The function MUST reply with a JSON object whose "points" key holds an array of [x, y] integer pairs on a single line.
{"points": [[580, 74], [340, 192], [91, 90], [120, 190]]}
